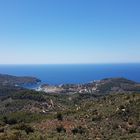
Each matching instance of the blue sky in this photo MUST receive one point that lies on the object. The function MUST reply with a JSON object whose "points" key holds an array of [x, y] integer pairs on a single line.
{"points": [[69, 31]]}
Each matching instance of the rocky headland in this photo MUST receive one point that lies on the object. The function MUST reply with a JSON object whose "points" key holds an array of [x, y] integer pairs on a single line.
{"points": [[16, 80]]}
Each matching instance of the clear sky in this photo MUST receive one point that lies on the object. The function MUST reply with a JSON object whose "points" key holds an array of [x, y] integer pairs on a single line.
{"points": [[69, 31]]}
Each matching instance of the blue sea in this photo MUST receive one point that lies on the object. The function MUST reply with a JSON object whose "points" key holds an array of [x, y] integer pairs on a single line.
{"points": [[62, 74]]}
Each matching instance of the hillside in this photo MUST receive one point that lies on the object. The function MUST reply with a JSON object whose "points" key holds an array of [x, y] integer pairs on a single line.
{"points": [[31, 115], [14, 80], [35, 116], [100, 87]]}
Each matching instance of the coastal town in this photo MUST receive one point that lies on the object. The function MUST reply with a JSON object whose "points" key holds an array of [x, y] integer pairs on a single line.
{"points": [[109, 85]]}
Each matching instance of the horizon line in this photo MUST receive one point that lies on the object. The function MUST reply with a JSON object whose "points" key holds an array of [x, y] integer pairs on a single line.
{"points": [[69, 63]]}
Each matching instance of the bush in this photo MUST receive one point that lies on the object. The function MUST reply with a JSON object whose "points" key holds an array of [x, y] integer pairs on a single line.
{"points": [[79, 130], [60, 129], [9, 121], [1, 130], [28, 129], [96, 118], [132, 130], [24, 117], [59, 117]]}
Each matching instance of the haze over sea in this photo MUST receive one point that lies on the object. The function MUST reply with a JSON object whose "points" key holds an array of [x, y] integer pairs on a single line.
{"points": [[80, 73]]}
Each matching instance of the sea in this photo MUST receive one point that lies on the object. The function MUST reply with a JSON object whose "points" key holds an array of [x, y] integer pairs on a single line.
{"points": [[73, 73]]}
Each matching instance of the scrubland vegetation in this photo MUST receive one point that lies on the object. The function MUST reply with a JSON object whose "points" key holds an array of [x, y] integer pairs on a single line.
{"points": [[30, 115], [40, 116]]}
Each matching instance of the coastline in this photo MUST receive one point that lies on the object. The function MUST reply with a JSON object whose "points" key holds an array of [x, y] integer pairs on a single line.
{"points": [[69, 74], [104, 86]]}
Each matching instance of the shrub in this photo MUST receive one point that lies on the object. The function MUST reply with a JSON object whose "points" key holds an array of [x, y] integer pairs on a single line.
{"points": [[79, 130], [1, 130], [132, 130], [96, 118], [9, 121], [60, 129], [28, 129], [59, 117]]}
